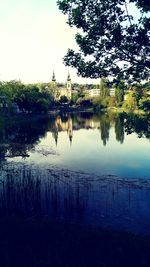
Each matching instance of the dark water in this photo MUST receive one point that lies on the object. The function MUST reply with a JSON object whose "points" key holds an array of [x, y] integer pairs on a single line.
{"points": [[85, 168]]}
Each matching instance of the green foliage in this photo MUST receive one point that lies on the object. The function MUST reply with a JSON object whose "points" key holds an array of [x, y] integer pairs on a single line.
{"points": [[138, 94], [145, 105], [63, 99], [101, 103], [109, 33], [146, 86], [10, 89], [119, 92], [32, 100], [130, 103], [78, 97], [96, 101], [84, 102], [29, 98], [105, 101], [112, 102], [74, 98], [104, 89]]}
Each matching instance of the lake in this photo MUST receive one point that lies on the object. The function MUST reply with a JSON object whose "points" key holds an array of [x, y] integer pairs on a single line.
{"points": [[86, 168]]}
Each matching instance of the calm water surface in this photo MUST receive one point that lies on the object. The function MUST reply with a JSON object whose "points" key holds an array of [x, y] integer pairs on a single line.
{"points": [[85, 168]]}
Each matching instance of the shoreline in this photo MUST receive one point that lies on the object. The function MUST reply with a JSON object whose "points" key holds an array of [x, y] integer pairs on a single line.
{"points": [[59, 110]]}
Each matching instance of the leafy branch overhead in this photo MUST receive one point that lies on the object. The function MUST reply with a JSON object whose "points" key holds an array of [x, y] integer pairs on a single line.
{"points": [[112, 39]]}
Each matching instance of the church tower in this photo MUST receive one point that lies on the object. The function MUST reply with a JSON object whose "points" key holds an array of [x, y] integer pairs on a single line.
{"points": [[53, 80], [69, 89]]}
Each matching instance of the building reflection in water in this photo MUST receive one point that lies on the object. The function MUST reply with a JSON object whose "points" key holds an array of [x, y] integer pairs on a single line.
{"points": [[69, 124], [31, 189], [63, 124], [103, 123]]}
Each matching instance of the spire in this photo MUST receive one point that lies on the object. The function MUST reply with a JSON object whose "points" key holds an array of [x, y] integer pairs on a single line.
{"points": [[70, 138], [53, 77], [55, 136]]}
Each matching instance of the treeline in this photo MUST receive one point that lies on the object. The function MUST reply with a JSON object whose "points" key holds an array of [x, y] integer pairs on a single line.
{"points": [[26, 98], [38, 98], [129, 97]]}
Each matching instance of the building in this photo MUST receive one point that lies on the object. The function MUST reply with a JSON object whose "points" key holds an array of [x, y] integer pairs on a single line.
{"points": [[94, 92], [62, 91], [112, 91]]}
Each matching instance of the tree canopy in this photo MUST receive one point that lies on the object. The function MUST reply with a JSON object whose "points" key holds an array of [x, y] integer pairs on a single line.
{"points": [[113, 37], [29, 98]]}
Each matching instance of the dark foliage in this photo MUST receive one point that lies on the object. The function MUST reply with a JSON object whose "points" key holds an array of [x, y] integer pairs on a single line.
{"points": [[110, 33]]}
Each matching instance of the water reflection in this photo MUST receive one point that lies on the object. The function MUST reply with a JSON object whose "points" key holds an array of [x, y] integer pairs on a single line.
{"points": [[119, 128], [103, 122], [19, 136], [40, 159]]}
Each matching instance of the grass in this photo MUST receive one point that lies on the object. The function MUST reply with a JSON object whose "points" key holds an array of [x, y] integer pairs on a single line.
{"points": [[121, 110]]}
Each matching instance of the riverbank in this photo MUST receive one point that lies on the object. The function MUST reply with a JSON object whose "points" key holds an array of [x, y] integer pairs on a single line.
{"points": [[122, 110], [36, 242], [73, 109], [69, 109]]}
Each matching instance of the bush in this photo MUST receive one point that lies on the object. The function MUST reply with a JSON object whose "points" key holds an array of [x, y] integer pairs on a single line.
{"points": [[145, 104]]}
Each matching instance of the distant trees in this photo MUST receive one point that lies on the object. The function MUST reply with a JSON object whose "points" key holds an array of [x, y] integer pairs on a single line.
{"points": [[63, 99], [104, 89], [138, 97], [119, 92], [33, 100], [38, 98], [145, 105], [29, 98], [138, 94], [9, 89]]}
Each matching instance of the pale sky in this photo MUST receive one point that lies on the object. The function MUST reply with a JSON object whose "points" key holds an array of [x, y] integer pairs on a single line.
{"points": [[34, 37]]}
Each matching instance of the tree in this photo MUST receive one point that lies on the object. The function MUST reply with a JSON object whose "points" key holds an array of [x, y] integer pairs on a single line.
{"points": [[119, 92], [145, 105], [32, 100], [10, 89], [111, 39], [104, 90], [63, 99], [138, 94], [130, 103]]}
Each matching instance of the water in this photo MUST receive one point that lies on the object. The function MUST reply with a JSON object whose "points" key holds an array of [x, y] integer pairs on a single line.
{"points": [[84, 168]]}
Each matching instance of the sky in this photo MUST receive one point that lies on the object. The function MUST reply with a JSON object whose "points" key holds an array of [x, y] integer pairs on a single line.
{"points": [[34, 38]]}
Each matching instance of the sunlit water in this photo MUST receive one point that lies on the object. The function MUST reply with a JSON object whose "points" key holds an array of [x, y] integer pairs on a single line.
{"points": [[85, 168]]}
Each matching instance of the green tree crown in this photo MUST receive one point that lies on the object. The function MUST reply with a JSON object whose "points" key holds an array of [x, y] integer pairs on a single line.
{"points": [[109, 33]]}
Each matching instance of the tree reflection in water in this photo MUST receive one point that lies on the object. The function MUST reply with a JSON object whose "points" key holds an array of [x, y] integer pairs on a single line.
{"points": [[19, 136], [59, 194]]}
